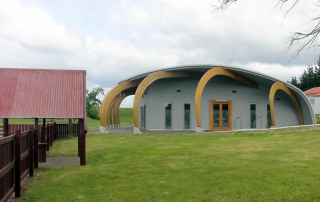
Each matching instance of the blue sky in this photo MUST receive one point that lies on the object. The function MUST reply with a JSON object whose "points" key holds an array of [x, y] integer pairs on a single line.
{"points": [[114, 40]]}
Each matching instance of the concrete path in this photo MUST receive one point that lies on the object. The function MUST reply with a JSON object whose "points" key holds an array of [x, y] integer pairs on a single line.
{"points": [[60, 161], [129, 130]]}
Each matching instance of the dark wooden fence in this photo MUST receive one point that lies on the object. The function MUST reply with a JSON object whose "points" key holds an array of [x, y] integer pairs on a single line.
{"points": [[62, 131], [1, 131], [21, 152], [16, 162]]}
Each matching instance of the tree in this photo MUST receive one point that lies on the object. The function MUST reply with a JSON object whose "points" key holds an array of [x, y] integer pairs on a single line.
{"points": [[93, 103], [310, 77], [308, 38]]}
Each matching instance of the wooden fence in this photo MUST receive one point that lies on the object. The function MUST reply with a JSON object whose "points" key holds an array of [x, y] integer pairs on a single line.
{"points": [[21, 152], [62, 131], [16, 162]]}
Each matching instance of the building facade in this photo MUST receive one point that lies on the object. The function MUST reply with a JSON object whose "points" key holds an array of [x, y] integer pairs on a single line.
{"points": [[207, 97]]}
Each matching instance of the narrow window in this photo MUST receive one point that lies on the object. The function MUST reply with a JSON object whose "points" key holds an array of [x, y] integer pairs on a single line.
{"points": [[186, 116], [168, 116], [268, 116], [253, 115], [143, 116]]}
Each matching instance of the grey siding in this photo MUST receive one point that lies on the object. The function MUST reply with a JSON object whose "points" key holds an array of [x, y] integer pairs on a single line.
{"points": [[218, 88]]}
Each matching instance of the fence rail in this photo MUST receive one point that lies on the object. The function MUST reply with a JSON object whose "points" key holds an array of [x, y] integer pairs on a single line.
{"points": [[62, 131], [20, 152], [16, 162]]}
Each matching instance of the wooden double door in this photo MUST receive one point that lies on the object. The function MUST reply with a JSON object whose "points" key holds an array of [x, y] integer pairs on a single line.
{"points": [[220, 115]]}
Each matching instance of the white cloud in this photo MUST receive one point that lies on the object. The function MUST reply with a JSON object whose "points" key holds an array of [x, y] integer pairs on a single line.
{"points": [[34, 29], [114, 40]]}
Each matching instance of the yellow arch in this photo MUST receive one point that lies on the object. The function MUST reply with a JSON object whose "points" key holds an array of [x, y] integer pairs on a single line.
{"points": [[204, 80], [113, 113], [281, 86], [109, 98], [144, 85]]}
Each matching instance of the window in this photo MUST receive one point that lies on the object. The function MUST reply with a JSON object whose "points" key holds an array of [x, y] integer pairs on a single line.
{"points": [[253, 114], [186, 116], [269, 122], [168, 116], [312, 101]]}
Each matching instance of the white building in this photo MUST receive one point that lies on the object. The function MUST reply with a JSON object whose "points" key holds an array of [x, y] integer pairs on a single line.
{"points": [[313, 95]]}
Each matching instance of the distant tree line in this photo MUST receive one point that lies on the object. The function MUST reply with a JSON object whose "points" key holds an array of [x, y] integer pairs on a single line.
{"points": [[93, 103], [309, 78]]}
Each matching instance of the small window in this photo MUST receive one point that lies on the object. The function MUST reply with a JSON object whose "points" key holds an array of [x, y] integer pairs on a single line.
{"points": [[312, 101], [253, 113]]}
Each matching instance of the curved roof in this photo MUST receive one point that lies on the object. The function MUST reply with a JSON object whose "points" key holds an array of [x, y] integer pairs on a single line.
{"points": [[253, 75]]}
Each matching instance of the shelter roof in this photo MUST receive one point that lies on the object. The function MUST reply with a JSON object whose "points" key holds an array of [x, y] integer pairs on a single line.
{"points": [[312, 91], [42, 93]]}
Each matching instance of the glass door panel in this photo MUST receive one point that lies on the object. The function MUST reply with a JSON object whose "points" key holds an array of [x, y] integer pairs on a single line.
{"points": [[221, 116], [225, 115], [216, 115]]}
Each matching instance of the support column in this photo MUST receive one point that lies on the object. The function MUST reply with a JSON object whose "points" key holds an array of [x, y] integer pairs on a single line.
{"points": [[5, 127], [82, 142]]}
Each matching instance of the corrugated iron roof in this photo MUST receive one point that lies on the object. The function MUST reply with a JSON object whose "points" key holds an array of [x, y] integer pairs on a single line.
{"points": [[42, 93], [312, 91]]}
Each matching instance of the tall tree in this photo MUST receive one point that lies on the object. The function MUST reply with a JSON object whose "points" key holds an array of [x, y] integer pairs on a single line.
{"points": [[309, 78], [308, 38], [93, 103]]}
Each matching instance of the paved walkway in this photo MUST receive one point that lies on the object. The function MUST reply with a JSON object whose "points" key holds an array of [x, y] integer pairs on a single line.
{"points": [[129, 130], [60, 161]]}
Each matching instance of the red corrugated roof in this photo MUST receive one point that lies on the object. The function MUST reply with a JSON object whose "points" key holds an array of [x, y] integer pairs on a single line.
{"points": [[312, 91], [42, 93]]}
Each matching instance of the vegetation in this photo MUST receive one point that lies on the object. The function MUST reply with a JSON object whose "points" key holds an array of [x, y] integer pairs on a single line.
{"points": [[93, 103], [273, 165], [310, 77], [126, 116]]}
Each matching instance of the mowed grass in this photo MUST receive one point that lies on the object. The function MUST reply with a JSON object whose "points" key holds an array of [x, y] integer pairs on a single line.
{"points": [[274, 165]]}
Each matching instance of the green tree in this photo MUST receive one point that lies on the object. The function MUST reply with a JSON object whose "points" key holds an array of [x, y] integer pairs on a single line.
{"points": [[309, 78], [93, 103]]}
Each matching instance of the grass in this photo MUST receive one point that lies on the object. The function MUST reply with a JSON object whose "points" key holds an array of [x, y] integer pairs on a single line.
{"points": [[274, 165]]}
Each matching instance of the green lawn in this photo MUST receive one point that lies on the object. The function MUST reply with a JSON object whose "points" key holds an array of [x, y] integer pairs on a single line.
{"points": [[275, 165]]}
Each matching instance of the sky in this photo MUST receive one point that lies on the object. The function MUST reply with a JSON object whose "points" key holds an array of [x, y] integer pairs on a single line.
{"points": [[115, 40]]}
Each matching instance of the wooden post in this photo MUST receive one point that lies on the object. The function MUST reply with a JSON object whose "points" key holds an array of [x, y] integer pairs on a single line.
{"points": [[31, 151], [54, 131], [36, 145], [36, 126], [69, 128], [17, 170], [42, 147], [82, 138], [48, 136], [51, 134], [79, 138], [5, 127]]}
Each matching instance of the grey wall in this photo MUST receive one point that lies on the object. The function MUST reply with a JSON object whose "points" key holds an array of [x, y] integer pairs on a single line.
{"points": [[218, 88]]}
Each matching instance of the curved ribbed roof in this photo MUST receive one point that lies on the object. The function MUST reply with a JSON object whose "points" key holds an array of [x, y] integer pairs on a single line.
{"points": [[253, 75]]}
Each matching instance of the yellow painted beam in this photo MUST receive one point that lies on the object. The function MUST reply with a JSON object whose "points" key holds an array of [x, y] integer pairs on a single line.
{"points": [[281, 86], [204, 80], [109, 98], [147, 82], [113, 110]]}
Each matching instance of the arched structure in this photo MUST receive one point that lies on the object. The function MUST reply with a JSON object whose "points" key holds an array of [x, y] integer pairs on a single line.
{"points": [[281, 86], [187, 98], [144, 85], [110, 98], [204, 80]]}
